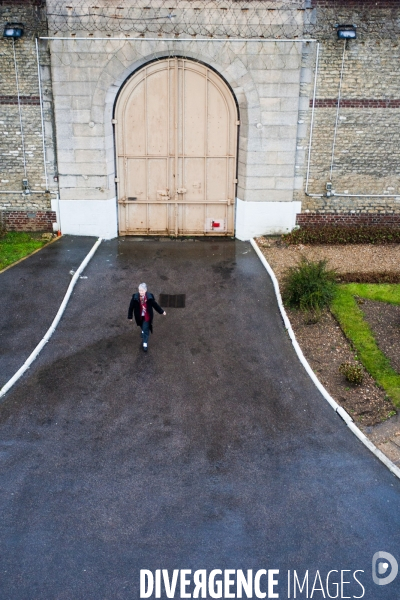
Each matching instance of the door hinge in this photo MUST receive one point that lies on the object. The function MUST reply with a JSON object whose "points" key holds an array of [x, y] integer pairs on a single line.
{"points": [[235, 181], [237, 122], [114, 121], [116, 179]]}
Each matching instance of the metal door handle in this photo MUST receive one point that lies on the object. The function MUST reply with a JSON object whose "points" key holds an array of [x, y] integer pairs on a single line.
{"points": [[163, 193]]}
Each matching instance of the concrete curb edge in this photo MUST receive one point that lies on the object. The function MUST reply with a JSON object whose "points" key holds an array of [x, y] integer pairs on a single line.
{"points": [[54, 324], [336, 407]]}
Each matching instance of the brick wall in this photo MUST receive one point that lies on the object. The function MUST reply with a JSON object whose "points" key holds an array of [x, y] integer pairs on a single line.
{"points": [[367, 146], [12, 140], [370, 219], [23, 220]]}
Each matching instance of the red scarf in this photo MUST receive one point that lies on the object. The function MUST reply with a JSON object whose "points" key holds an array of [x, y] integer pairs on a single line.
{"points": [[143, 305]]}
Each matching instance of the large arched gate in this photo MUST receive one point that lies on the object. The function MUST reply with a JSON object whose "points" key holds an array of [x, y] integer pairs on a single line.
{"points": [[176, 139]]}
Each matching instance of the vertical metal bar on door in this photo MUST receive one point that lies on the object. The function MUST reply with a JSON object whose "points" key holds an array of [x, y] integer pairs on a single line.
{"points": [[124, 169], [168, 138], [176, 145], [182, 182], [205, 151], [228, 163], [146, 150]]}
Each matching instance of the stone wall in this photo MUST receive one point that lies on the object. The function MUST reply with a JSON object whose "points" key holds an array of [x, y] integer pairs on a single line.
{"points": [[272, 81], [366, 157], [21, 145], [263, 75]]}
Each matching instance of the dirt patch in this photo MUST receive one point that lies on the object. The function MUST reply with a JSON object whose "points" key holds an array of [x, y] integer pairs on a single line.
{"points": [[326, 348], [384, 320]]}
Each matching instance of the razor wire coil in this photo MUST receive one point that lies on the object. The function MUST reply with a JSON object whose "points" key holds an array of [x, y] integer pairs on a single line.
{"points": [[214, 18]]}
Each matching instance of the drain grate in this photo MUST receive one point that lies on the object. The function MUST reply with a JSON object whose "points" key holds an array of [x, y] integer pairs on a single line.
{"points": [[172, 300]]}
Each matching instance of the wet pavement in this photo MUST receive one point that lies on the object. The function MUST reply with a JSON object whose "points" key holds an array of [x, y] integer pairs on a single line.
{"points": [[30, 295], [212, 451]]}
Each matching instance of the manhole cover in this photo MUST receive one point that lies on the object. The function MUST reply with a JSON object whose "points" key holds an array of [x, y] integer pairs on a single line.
{"points": [[172, 300]]}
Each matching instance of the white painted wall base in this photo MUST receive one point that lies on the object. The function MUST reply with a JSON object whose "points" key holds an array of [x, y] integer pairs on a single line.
{"points": [[54, 206], [89, 217], [260, 218]]}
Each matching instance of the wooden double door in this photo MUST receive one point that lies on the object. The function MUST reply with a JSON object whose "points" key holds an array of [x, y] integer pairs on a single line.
{"points": [[176, 139]]}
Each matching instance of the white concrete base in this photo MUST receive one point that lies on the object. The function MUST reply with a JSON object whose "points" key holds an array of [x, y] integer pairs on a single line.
{"points": [[264, 218], [89, 217], [54, 207]]}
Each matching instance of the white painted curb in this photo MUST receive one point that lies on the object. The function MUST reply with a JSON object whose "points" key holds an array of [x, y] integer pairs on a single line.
{"points": [[53, 326], [337, 408]]}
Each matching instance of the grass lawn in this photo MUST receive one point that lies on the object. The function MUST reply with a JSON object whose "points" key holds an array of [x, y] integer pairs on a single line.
{"points": [[345, 308], [15, 245]]}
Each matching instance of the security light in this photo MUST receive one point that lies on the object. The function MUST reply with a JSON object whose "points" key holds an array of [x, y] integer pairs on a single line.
{"points": [[13, 30], [346, 32]]}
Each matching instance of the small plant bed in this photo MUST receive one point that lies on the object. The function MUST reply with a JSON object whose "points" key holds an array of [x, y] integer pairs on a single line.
{"points": [[16, 245], [322, 340], [326, 349], [347, 309]]}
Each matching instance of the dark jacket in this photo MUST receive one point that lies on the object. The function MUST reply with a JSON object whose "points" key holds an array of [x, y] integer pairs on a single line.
{"points": [[135, 308]]}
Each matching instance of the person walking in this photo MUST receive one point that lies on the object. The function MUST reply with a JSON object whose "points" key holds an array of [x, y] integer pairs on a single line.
{"points": [[141, 306]]}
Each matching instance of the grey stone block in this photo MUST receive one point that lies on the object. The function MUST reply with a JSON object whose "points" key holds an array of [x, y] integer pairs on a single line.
{"points": [[298, 183], [258, 183], [270, 104], [80, 193], [304, 103], [83, 168], [81, 116], [279, 118], [279, 145], [306, 75], [290, 104], [80, 130], [89, 156], [67, 181], [279, 90], [268, 195], [80, 102], [284, 183]]}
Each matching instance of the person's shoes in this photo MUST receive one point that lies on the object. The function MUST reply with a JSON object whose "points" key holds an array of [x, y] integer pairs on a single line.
{"points": [[144, 347]]}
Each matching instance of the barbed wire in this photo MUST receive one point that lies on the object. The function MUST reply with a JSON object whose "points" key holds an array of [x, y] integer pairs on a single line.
{"points": [[213, 18]]}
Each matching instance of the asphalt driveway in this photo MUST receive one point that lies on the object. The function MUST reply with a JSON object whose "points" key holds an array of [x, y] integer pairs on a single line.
{"points": [[30, 295], [212, 451]]}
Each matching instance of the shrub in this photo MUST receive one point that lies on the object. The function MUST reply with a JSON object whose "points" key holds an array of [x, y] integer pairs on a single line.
{"points": [[353, 372], [343, 234], [309, 286]]}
